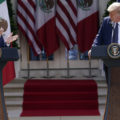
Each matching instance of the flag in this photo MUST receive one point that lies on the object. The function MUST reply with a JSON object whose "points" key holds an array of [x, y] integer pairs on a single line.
{"points": [[4, 14], [87, 26], [46, 26], [66, 22], [8, 71], [26, 23]]}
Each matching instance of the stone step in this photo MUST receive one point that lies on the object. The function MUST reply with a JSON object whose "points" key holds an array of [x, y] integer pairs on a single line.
{"points": [[102, 91], [14, 103], [14, 100], [59, 73], [10, 108], [102, 109], [13, 92], [102, 85], [58, 118], [14, 95], [101, 94], [15, 85], [19, 80], [97, 79]]}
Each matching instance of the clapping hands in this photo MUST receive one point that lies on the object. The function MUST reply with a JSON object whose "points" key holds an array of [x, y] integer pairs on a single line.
{"points": [[11, 38]]}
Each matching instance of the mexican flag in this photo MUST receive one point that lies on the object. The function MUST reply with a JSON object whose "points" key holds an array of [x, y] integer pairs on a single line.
{"points": [[87, 26], [8, 71], [4, 14], [46, 25]]}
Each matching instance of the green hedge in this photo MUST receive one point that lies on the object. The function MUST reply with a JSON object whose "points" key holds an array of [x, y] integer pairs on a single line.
{"points": [[109, 2], [13, 23]]}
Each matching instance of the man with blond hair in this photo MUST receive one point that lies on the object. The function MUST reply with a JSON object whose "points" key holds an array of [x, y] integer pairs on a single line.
{"points": [[105, 34]]}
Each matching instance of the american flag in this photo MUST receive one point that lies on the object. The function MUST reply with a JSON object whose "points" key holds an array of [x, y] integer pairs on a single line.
{"points": [[26, 22], [66, 21]]}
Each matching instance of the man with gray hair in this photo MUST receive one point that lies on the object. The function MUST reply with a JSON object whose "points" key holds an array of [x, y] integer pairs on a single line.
{"points": [[106, 32], [114, 12]]}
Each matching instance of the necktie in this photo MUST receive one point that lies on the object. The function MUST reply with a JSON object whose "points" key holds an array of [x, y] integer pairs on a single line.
{"points": [[115, 34]]}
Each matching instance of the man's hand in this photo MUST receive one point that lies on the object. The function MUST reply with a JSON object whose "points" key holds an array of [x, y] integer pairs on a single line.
{"points": [[1, 31], [89, 54], [11, 38]]}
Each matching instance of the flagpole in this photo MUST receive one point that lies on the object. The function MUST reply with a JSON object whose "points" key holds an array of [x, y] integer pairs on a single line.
{"points": [[90, 69], [68, 72], [47, 68], [90, 75], [48, 71], [68, 66], [28, 62]]}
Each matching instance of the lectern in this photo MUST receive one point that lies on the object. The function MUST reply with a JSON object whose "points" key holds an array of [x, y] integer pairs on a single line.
{"points": [[6, 54], [112, 109]]}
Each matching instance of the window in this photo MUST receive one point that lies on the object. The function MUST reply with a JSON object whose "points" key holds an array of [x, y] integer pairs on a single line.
{"points": [[42, 56], [74, 54]]}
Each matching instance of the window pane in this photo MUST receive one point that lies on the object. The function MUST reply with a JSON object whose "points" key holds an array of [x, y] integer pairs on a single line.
{"points": [[42, 56], [32, 56], [73, 53], [84, 56]]}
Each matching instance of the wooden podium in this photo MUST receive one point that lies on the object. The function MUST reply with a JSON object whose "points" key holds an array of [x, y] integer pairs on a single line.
{"points": [[112, 109], [6, 54]]}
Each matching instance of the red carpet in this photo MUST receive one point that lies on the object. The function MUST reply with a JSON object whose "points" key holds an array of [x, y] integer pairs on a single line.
{"points": [[60, 98]]}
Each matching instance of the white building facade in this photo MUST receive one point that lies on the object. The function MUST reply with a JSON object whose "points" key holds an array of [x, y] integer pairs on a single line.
{"points": [[59, 66]]}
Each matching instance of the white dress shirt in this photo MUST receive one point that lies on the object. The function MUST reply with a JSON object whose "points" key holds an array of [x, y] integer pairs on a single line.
{"points": [[114, 25], [118, 32]]}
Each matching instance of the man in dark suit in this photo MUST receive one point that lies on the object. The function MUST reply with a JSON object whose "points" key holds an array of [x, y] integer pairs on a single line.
{"points": [[105, 34]]}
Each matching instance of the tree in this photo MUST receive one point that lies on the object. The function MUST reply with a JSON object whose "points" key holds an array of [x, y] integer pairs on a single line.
{"points": [[13, 23], [109, 3]]}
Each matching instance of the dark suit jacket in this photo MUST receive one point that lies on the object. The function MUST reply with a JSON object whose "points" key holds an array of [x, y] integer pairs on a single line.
{"points": [[105, 33], [104, 37], [2, 43]]}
